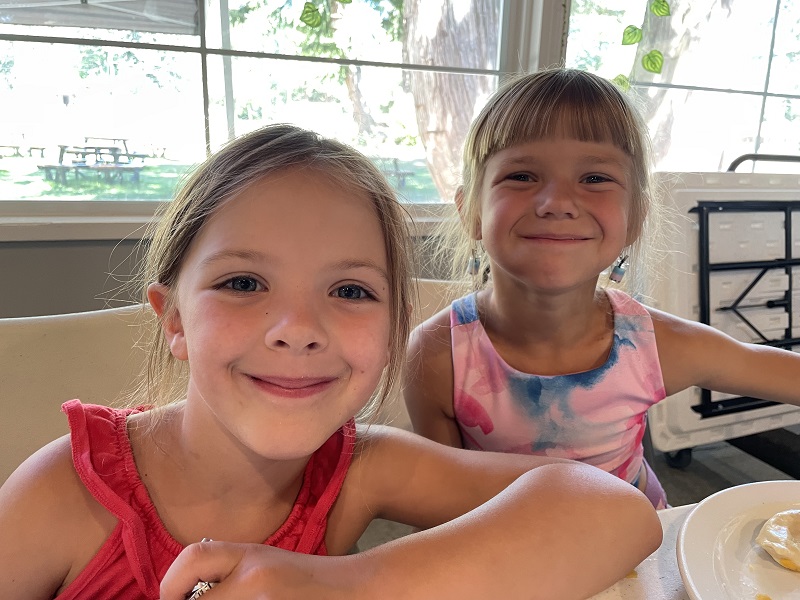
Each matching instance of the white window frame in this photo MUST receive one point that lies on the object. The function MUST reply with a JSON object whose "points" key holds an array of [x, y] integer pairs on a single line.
{"points": [[533, 35]]}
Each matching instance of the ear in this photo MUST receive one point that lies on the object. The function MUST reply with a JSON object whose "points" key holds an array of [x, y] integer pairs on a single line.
{"points": [[170, 319], [474, 231]]}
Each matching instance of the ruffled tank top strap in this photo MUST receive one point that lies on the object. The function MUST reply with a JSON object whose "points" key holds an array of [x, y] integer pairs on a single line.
{"points": [[304, 531], [102, 457]]}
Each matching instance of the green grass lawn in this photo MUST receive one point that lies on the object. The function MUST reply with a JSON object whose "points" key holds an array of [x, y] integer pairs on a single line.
{"points": [[21, 179]]}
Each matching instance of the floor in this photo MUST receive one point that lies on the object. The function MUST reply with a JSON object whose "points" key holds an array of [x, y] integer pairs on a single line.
{"points": [[713, 467]]}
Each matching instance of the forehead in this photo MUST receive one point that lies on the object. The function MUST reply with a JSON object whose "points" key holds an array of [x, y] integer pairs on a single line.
{"points": [[301, 213]]}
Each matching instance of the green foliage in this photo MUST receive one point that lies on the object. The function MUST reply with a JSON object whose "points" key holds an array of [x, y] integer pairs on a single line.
{"points": [[588, 7], [588, 61], [622, 82], [248, 112], [239, 15], [311, 15], [391, 12], [6, 64], [653, 61], [660, 8], [631, 35]]}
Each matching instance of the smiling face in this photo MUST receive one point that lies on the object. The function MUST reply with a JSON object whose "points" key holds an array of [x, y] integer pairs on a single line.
{"points": [[282, 309], [554, 212]]}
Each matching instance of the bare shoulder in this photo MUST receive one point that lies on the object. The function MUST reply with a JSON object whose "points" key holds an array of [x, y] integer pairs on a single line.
{"points": [[428, 380], [431, 337], [49, 524], [428, 369]]}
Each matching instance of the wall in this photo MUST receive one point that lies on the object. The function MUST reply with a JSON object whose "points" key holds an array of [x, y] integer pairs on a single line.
{"points": [[54, 277], [50, 277]]}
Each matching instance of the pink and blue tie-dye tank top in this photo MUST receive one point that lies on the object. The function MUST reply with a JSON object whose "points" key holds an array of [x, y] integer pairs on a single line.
{"points": [[597, 417]]}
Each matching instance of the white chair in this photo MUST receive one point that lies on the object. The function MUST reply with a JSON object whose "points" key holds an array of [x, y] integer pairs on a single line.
{"points": [[45, 361]]}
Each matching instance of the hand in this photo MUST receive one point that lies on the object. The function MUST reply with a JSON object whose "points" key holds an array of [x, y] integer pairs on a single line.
{"points": [[256, 572]]}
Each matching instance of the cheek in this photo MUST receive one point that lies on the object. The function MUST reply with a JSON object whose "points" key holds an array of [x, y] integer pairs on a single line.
{"points": [[215, 328], [370, 347]]}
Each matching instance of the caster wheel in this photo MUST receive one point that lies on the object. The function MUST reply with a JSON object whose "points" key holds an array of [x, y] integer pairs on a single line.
{"points": [[679, 459]]}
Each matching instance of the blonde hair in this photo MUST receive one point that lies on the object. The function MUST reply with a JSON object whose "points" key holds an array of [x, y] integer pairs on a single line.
{"points": [[243, 161], [548, 104]]}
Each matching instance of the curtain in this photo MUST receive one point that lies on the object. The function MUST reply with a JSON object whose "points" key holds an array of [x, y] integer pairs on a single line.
{"points": [[160, 16]]}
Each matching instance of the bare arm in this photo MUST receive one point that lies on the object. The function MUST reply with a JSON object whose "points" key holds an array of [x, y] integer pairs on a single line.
{"points": [[428, 381], [555, 532], [48, 531], [510, 530], [694, 354]]}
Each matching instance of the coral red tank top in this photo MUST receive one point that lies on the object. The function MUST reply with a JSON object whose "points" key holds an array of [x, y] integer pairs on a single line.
{"points": [[135, 557]]}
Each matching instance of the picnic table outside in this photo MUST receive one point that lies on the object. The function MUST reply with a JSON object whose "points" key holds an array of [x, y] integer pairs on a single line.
{"points": [[15, 150], [110, 161]]}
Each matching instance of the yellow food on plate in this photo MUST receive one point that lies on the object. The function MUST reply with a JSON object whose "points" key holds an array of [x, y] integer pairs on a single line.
{"points": [[780, 537]]}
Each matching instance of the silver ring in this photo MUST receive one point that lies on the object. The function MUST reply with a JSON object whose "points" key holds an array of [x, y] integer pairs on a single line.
{"points": [[201, 588]]}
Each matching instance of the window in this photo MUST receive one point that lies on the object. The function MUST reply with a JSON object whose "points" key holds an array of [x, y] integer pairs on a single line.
{"points": [[728, 85], [106, 101]]}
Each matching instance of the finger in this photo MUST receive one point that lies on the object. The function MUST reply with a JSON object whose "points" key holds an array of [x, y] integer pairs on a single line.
{"points": [[207, 561]]}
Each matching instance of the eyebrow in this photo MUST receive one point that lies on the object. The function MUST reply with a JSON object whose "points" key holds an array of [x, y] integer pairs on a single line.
{"points": [[587, 158], [604, 160], [255, 256], [251, 255], [345, 265]]}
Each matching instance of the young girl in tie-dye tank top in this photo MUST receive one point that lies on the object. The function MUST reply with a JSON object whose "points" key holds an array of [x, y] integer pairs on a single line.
{"points": [[539, 359]]}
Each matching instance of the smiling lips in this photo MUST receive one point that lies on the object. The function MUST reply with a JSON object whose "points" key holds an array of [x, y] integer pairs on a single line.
{"points": [[555, 237], [293, 387]]}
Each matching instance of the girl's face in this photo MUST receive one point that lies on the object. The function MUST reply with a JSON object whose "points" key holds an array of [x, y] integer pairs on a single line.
{"points": [[554, 212], [283, 312]]}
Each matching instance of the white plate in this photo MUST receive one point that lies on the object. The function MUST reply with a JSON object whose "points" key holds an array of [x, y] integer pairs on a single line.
{"points": [[718, 556]]}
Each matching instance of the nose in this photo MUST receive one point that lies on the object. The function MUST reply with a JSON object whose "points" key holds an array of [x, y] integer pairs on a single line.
{"points": [[296, 328], [556, 200]]}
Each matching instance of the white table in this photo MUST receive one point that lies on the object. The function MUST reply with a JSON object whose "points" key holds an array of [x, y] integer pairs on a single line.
{"points": [[657, 577]]}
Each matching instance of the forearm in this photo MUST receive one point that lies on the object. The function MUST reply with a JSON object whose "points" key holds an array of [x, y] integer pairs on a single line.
{"points": [[554, 533]]}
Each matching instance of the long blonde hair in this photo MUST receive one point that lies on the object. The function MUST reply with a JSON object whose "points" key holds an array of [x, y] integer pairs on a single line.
{"points": [[242, 162]]}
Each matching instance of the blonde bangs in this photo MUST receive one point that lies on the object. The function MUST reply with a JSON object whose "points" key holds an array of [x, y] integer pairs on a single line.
{"points": [[568, 106]]}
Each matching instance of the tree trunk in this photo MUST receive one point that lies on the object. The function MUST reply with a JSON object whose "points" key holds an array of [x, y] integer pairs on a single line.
{"points": [[671, 35], [446, 103]]}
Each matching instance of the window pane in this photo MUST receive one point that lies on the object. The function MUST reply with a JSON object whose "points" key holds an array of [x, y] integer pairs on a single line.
{"points": [[780, 134], [699, 131], [702, 42], [374, 30], [725, 47], [786, 54], [140, 96], [375, 109], [706, 46], [95, 122], [594, 42]]}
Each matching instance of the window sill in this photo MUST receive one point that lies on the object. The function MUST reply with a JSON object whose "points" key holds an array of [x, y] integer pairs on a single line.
{"points": [[39, 221]]}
